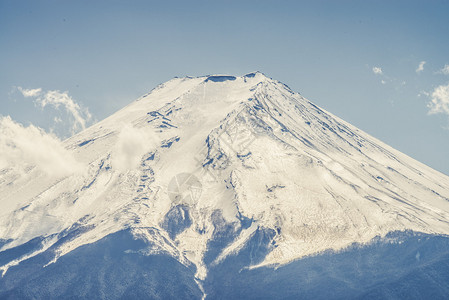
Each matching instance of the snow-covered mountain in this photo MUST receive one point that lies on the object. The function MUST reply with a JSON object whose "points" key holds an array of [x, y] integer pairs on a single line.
{"points": [[209, 186]]}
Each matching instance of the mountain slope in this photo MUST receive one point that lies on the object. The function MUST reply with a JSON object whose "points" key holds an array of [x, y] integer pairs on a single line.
{"points": [[202, 168]]}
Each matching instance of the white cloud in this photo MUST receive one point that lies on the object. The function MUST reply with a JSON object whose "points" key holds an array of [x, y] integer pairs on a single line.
{"points": [[420, 67], [22, 147], [56, 99], [440, 100], [30, 92], [131, 145], [445, 70], [423, 93], [377, 70]]}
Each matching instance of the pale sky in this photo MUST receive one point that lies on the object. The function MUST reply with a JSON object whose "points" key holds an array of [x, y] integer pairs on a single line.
{"points": [[381, 65]]}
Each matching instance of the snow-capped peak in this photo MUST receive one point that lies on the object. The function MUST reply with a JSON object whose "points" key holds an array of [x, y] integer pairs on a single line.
{"points": [[200, 157]]}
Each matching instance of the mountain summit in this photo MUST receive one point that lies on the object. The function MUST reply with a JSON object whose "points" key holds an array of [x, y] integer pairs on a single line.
{"points": [[220, 187]]}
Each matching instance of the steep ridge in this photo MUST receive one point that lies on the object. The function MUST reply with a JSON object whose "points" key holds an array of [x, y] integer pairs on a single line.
{"points": [[202, 168]]}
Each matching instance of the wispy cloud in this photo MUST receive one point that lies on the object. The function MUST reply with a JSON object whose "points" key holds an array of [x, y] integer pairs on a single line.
{"points": [[30, 92], [445, 70], [56, 99], [439, 103], [377, 70], [386, 79], [131, 145], [420, 67], [22, 147]]}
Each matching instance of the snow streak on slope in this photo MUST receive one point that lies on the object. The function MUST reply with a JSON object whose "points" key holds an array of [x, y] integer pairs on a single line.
{"points": [[266, 160]]}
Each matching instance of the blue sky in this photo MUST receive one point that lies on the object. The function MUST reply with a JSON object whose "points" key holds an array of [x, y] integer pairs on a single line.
{"points": [[105, 54]]}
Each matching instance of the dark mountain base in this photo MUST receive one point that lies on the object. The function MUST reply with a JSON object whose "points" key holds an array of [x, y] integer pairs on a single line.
{"points": [[111, 268], [400, 266]]}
